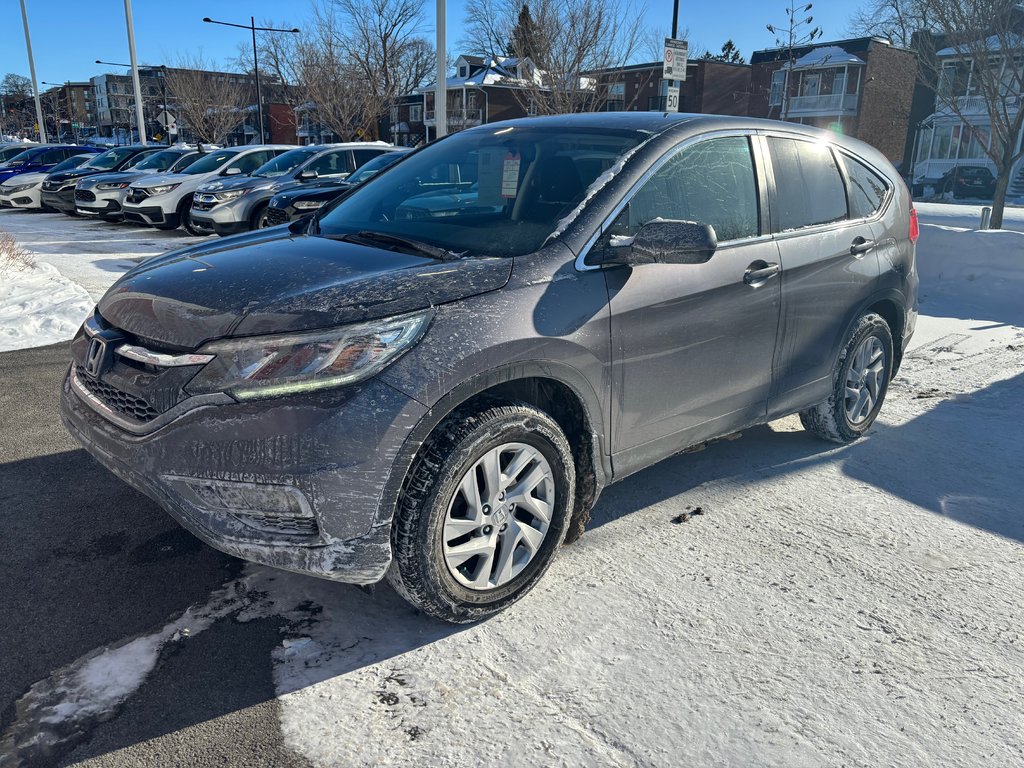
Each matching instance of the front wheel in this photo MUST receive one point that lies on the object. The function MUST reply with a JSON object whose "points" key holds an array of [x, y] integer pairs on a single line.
{"points": [[859, 383], [483, 513]]}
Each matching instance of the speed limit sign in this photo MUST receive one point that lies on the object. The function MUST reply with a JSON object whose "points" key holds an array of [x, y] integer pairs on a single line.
{"points": [[672, 99]]}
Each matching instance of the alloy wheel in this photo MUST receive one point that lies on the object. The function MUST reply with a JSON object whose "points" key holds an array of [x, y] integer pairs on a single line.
{"points": [[864, 380], [499, 516]]}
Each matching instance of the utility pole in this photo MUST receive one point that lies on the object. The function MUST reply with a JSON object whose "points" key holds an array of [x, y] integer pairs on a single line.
{"points": [[32, 69], [441, 94], [140, 117]]}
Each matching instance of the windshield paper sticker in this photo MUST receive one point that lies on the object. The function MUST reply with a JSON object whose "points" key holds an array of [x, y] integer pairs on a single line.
{"points": [[489, 170], [510, 176]]}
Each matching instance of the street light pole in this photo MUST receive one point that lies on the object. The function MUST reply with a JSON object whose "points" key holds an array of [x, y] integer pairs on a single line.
{"points": [[163, 82], [139, 116], [441, 95], [251, 26], [32, 69]]}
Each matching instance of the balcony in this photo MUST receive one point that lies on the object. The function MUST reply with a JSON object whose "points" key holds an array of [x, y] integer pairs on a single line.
{"points": [[974, 105], [457, 118], [823, 105]]}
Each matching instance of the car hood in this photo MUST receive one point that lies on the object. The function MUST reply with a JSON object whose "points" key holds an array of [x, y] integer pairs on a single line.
{"points": [[237, 182], [118, 178], [7, 173], [32, 177], [76, 173], [311, 192], [157, 179], [274, 281]]}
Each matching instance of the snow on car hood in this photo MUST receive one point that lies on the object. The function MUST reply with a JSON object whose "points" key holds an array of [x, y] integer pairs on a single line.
{"points": [[274, 281]]}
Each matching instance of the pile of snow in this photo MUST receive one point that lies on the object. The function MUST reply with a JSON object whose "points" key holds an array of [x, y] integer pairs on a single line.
{"points": [[39, 306], [976, 274]]}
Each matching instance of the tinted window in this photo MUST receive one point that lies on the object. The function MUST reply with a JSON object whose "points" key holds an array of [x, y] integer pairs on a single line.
{"points": [[157, 161], [110, 159], [711, 182], [374, 166], [184, 162], [362, 155], [71, 162], [331, 163], [808, 187], [211, 161], [285, 162], [50, 157], [867, 190], [140, 158], [251, 162]]}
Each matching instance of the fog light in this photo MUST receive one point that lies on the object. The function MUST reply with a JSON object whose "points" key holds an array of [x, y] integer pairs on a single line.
{"points": [[265, 507]]}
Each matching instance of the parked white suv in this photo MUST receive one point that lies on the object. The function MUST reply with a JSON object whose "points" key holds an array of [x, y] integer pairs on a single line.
{"points": [[163, 200]]}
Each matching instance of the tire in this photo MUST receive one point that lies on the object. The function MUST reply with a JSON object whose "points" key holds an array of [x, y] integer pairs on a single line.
{"points": [[258, 220], [434, 518], [844, 417], [185, 214]]}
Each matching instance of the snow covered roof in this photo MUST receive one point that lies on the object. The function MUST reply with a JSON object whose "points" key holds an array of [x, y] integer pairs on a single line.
{"points": [[993, 43], [499, 70], [827, 56]]}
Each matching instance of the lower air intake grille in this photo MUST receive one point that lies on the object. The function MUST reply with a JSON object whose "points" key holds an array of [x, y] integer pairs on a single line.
{"points": [[116, 400]]}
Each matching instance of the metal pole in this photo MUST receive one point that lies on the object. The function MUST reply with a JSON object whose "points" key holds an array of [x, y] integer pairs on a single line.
{"points": [[441, 95], [32, 69], [256, 70], [140, 117], [675, 19]]}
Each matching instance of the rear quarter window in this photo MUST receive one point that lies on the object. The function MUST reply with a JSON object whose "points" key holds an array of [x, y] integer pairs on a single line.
{"points": [[808, 186], [867, 189]]}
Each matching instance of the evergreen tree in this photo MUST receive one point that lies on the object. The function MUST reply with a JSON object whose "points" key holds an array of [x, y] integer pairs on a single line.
{"points": [[730, 53], [525, 42]]}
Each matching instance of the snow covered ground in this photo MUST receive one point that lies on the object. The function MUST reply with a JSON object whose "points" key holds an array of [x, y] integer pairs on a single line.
{"points": [[855, 605]]}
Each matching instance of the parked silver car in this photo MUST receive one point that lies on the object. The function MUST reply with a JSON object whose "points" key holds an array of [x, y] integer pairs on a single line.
{"points": [[103, 196]]}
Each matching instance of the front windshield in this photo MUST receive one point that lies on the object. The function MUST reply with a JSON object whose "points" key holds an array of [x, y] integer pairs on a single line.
{"points": [[71, 162], [9, 153], [139, 159], [498, 191], [372, 167], [211, 161], [109, 159], [184, 161], [283, 163], [20, 158], [157, 161]]}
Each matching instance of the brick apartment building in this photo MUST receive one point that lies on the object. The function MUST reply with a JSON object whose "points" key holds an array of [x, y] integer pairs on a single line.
{"points": [[711, 87], [861, 87]]}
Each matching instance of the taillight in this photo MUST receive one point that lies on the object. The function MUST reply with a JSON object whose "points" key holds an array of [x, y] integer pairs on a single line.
{"points": [[915, 229]]}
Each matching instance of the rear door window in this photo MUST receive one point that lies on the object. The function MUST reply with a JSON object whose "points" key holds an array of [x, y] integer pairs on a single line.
{"points": [[333, 163], [362, 155], [711, 182], [808, 186], [867, 189], [50, 157]]}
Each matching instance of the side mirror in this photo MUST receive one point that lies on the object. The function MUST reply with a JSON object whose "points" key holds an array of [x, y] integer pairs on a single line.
{"points": [[664, 242], [233, 171], [308, 175]]}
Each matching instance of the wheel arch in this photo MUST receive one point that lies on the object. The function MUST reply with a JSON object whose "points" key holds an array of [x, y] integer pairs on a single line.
{"points": [[891, 305], [558, 390]]}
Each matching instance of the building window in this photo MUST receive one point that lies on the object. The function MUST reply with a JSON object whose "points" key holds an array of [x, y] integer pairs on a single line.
{"points": [[416, 113], [616, 97], [778, 85], [463, 71]]}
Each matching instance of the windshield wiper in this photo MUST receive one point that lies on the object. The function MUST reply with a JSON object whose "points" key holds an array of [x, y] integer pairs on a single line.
{"points": [[364, 237]]}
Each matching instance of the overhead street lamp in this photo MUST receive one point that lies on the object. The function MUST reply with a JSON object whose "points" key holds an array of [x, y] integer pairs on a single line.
{"points": [[251, 26], [163, 84]]}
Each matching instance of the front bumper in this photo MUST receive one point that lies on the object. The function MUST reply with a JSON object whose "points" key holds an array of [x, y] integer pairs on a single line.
{"points": [[150, 215], [334, 449], [27, 199], [105, 205], [230, 218], [63, 201]]}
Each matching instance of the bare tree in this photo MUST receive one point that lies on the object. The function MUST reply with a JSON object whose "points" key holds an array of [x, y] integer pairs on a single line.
{"points": [[796, 33], [209, 104], [894, 20], [280, 62], [575, 47], [985, 48]]}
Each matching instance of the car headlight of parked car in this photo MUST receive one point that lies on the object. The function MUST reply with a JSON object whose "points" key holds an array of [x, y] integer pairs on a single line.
{"points": [[112, 185], [20, 188], [308, 205], [269, 366], [231, 194], [163, 189]]}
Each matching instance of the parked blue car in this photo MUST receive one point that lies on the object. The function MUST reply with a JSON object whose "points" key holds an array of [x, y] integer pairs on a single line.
{"points": [[42, 158]]}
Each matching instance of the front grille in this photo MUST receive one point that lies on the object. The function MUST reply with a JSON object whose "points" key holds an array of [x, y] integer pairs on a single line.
{"points": [[84, 196], [137, 195], [199, 204], [303, 526], [52, 186], [276, 216], [127, 405]]}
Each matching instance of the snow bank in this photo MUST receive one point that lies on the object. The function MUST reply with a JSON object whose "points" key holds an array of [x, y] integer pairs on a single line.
{"points": [[966, 215], [38, 306], [972, 273]]}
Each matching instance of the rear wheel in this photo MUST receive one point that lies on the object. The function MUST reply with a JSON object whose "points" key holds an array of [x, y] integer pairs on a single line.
{"points": [[483, 513], [185, 216], [259, 218], [859, 384]]}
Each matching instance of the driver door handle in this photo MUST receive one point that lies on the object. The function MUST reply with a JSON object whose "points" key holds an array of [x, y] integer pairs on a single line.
{"points": [[860, 246], [760, 271]]}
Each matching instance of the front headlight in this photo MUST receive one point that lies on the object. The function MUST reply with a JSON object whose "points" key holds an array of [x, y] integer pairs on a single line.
{"points": [[308, 205], [20, 188], [163, 189], [233, 194], [269, 366], [112, 185]]}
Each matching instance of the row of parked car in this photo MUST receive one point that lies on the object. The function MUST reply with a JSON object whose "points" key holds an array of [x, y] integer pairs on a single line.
{"points": [[205, 191]]}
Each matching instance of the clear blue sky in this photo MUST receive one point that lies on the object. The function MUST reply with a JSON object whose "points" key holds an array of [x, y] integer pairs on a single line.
{"points": [[69, 36]]}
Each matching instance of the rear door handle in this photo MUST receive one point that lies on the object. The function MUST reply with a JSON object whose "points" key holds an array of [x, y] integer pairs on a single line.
{"points": [[760, 271], [861, 246]]}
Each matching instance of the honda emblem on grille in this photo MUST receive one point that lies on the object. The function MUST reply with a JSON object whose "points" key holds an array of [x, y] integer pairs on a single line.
{"points": [[100, 356]]}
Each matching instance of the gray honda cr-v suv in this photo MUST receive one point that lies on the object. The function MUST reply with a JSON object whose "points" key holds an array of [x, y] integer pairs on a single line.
{"points": [[434, 378]]}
